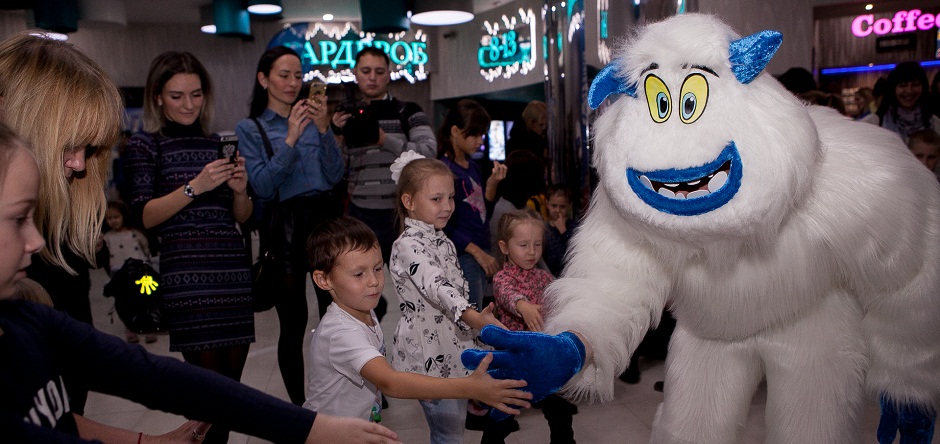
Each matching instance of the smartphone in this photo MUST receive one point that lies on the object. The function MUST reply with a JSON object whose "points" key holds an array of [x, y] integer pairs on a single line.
{"points": [[318, 92], [228, 147]]}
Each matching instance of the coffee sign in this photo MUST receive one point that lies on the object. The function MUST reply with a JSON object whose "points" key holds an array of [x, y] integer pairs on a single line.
{"points": [[902, 21]]}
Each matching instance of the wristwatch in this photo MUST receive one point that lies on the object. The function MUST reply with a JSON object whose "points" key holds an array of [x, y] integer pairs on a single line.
{"points": [[189, 191]]}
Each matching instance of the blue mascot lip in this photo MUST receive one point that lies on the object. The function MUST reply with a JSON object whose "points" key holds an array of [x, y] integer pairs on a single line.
{"points": [[691, 191]]}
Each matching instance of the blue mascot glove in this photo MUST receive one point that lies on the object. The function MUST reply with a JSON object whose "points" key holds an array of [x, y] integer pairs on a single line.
{"points": [[544, 361]]}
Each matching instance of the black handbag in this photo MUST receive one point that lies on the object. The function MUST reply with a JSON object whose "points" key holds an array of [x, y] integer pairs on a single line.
{"points": [[135, 288], [267, 274]]}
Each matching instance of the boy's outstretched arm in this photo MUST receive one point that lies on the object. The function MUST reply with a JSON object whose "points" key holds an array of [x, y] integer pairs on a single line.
{"points": [[498, 393]]}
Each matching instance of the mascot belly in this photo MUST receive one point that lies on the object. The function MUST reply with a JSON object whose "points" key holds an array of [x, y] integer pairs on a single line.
{"points": [[794, 245]]}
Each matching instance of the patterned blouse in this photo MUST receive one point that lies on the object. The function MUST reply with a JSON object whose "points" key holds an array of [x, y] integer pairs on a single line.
{"points": [[433, 295], [512, 284]]}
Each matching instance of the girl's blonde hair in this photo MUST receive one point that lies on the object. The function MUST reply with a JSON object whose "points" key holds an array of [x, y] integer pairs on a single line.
{"points": [[59, 100], [413, 177], [162, 69], [513, 218]]}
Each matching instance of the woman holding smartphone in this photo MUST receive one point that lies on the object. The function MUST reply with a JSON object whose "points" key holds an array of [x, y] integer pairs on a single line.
{"points": [[304, 165], [183, 189]]}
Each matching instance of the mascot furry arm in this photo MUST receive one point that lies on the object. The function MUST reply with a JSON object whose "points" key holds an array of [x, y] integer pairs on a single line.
{"points": [[795, 246]]}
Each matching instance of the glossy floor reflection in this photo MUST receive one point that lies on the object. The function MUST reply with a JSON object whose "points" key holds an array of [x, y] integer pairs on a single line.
{"points": [[625, 420]]}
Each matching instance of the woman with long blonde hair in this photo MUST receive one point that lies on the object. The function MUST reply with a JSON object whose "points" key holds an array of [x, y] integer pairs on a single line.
{"points": [[69, 112]]}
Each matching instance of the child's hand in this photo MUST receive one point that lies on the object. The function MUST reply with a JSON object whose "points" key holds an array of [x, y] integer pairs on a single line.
{"points": [[498, 393], [498, 174], [531, 314], [490, 318]]}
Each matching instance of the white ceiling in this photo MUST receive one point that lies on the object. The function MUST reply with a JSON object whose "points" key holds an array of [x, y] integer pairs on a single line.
{"points": [[187, 11]]}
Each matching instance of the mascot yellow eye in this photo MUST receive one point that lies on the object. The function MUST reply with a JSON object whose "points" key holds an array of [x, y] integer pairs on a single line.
{"points": [[657, 96], [693, 97]]}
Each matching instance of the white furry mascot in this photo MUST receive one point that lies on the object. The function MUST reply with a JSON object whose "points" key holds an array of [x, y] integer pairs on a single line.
{"points": [[793, 244]]}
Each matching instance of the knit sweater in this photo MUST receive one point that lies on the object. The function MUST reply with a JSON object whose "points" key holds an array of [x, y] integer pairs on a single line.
{"points": [[407, 128]]}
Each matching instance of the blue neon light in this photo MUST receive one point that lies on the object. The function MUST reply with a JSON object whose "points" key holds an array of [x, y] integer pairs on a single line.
{"points": [[866, 68]]}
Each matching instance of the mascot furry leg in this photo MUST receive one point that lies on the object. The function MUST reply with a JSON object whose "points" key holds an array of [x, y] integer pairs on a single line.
{"points": [[795, 246]]}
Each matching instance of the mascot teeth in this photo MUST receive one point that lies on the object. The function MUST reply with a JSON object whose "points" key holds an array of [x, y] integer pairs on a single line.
{"points": [[692, 189]]}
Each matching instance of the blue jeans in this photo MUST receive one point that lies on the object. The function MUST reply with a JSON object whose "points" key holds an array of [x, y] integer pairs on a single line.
{"points": [[475, 276], [446, 419]]}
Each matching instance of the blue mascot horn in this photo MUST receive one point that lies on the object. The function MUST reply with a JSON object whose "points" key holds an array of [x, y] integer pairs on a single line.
{"points": [[749, 55], [607, 83]]}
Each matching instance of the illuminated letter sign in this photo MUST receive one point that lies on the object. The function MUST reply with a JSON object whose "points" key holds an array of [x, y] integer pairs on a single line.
{"points": [[509, 49], [329, 54], [902, 21]]}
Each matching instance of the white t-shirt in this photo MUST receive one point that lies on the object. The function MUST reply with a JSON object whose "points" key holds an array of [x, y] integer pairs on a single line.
{"points": [[341, 345]]}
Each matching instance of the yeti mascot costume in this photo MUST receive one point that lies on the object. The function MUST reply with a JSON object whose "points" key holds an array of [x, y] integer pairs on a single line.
{"points": [[793, 245]]}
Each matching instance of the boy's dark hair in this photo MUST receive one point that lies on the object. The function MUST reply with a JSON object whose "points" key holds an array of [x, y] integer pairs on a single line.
{"points": [[336, 236]]}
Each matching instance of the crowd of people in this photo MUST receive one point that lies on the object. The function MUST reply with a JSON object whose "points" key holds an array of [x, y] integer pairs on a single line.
{"points": [[337, 193], [903, 102]]}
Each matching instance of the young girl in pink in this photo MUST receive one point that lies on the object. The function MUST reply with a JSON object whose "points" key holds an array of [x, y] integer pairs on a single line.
{"points": [[519, 288]]}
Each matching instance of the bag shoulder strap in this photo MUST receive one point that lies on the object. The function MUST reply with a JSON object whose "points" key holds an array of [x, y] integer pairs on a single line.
{"points": [[264, 138]]}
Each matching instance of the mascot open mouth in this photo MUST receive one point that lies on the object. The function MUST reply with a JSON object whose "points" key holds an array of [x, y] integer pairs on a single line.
{"points": [[691, 191]]}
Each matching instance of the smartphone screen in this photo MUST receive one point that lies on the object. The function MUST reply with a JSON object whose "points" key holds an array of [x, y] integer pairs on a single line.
{"points": [[228, 147], [318, 92]]}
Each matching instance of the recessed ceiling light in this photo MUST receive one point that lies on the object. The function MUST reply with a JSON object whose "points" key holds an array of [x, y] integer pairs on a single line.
{"points": [[264, 7], [869, 6], [208, 29], [327, 17]]}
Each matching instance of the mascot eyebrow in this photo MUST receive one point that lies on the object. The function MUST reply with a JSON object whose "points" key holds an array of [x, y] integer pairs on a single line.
{"points": [[702, 68]]}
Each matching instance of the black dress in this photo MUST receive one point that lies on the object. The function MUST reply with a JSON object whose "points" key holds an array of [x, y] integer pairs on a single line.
{"points": [[204, 266]]}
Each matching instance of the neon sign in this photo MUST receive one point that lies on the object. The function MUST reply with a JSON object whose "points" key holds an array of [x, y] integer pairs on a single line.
{"points": [[508, 49], [603, 49], [903, 21], [329, 53]]}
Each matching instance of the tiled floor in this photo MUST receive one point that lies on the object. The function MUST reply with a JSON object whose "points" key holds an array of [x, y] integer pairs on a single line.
{"points": [[625, 420]]}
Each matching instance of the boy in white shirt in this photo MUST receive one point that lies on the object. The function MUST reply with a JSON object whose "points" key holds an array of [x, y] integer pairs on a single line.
{"points": [[347, 369]]}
